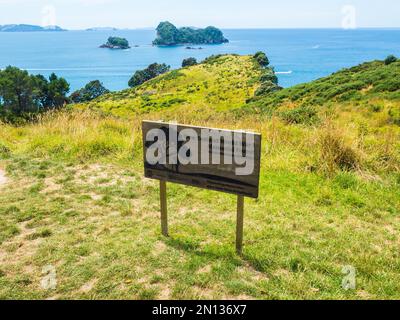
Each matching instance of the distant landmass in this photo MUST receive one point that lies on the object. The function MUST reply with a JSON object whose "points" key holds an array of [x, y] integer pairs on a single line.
{"points": [[169, 35], [29, 28], [102, 29], [116, 43]]}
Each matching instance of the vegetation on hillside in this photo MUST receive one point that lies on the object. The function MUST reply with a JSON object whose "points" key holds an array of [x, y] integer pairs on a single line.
{"points": [[189, 62], [268, 79], [329, 192], [151, 72], [368, 85], [220, 82], [168, 34], [91, 91]]}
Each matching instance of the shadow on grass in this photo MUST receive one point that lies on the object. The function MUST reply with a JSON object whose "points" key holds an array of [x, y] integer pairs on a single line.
{"points": [[217, 253]]}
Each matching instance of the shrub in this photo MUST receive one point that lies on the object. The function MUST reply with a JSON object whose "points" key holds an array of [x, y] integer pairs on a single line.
{"points": [[376, 108], [269, 76], [189, 62], [91, 91], [5, 152], [390, 59], [303, 115], [151, 72], [394, 116], [266, 88], [262, 59]]}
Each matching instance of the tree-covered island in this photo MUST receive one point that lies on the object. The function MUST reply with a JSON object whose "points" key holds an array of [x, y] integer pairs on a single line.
{"points": [[169, 35], [116, 43]]}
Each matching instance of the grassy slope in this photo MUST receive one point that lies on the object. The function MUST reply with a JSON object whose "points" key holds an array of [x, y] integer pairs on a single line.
{"points": [[219, 84], [76, 199], [364, 84]]}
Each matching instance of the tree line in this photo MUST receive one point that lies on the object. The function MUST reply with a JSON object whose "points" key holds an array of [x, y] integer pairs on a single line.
{"points": [[22, 93]]}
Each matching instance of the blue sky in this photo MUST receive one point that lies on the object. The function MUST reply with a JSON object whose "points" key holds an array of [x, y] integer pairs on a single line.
{"points": [[77, 14]]}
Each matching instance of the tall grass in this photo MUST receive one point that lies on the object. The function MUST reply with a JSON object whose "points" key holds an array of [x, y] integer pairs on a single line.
{"points": [[337, 144]]}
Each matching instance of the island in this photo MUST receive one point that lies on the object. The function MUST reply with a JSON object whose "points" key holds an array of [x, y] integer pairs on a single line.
{"points": [[116, 43], [29, 28], [169, 35], [102, 29]]}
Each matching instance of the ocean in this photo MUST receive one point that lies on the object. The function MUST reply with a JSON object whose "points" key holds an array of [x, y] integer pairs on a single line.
{"points": [[298, 55]]}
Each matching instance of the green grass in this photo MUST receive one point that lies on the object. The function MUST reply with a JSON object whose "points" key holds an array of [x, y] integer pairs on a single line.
{"points": [[99, 226], [75, 198]]}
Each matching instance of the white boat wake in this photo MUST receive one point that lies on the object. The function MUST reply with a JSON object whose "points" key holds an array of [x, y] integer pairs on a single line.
{"points": [[284, 72]]}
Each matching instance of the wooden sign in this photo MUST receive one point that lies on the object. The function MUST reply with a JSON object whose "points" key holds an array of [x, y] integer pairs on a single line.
{"points": [[214, 159], [214, 166]]}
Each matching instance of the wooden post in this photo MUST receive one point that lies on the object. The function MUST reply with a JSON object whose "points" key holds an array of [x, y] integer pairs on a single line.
{"points": [[239, 227], [163, 202]]}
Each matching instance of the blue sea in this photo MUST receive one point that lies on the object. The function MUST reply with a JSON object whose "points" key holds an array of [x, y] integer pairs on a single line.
{"points": [[298, 55]]}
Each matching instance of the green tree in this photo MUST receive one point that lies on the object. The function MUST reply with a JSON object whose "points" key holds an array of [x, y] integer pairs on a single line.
{"points": [[189, 62], [269, 75], [152, 71], [21, 93], [91, 91], [266, 88], [16, 90], [262, 59], [390, 59], [56, 95]]}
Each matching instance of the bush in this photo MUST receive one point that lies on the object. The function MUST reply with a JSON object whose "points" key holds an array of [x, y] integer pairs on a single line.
{"points": [[269, 76], [262, 59], [151, 72], [189, 62], [91, 91], [5, 152], [303, 115], [376, 108], [394, 116], [266, 88], [390, 59]]}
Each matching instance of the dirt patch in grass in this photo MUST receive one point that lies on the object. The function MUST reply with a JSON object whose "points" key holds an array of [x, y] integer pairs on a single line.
{"points": [[87, 287], [3, 178]]}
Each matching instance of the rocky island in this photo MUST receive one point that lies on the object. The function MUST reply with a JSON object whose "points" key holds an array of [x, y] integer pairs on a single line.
{"points": [[169, 35], [116, 43]]}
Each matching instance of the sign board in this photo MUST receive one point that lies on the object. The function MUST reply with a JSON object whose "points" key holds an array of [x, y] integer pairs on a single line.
{"points": [[214, 159]]}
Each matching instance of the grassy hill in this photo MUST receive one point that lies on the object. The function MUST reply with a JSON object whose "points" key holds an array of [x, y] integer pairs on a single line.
{"points": [[366, 84], [75, 196], [219, 83]]}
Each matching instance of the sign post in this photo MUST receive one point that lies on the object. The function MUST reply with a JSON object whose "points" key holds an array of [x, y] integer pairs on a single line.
{"points": [[239, 225], [164, 210], [214, 159]]}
